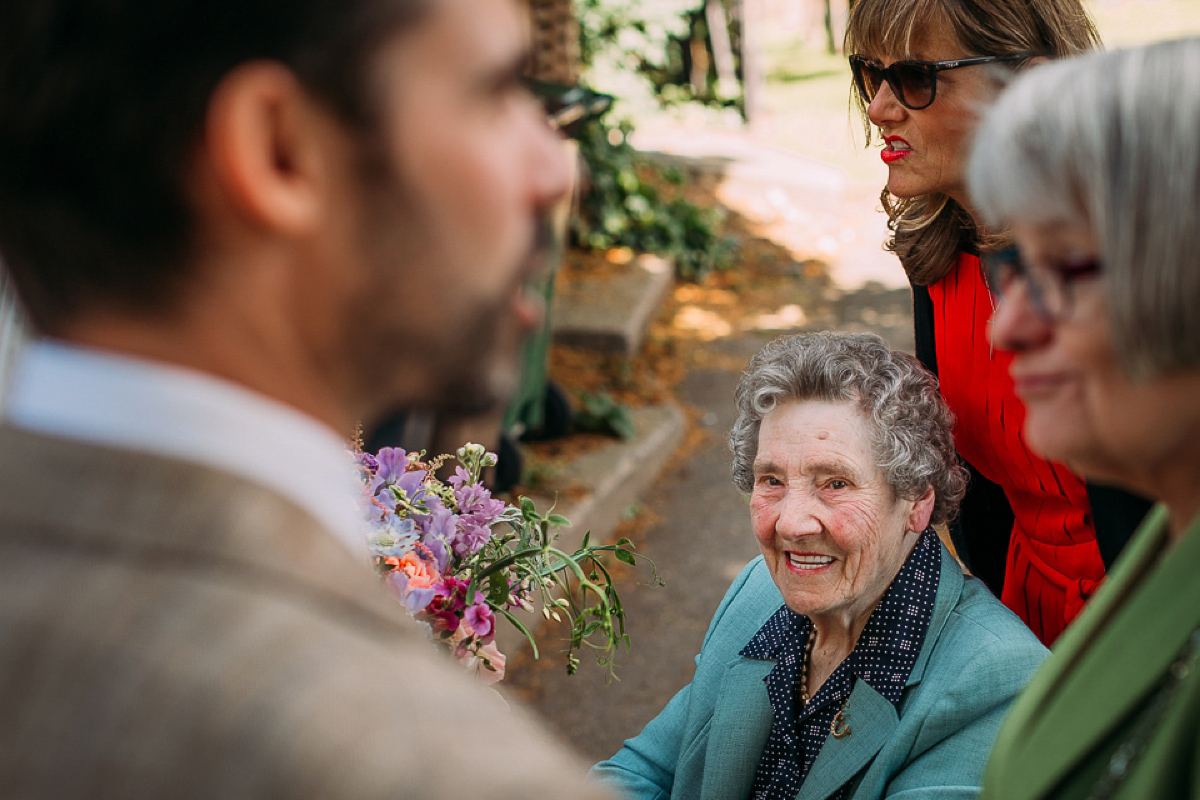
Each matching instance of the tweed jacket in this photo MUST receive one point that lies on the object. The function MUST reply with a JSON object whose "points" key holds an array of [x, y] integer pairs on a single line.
{"points": [[707, 742], [167, 630], [1093, 694]]}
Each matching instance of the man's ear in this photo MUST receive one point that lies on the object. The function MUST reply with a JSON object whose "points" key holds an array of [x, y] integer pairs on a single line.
{"points": [[265, 139]]}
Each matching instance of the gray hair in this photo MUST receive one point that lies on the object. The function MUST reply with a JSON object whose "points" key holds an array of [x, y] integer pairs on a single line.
{"points": [[912, 434], [1108, 141]]}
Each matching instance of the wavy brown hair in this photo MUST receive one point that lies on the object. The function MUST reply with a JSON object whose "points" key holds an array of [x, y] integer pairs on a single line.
{"points": [[929, 231]]}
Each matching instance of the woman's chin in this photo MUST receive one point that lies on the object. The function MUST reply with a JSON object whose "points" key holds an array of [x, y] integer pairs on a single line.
{"points": [[1052, 437], [1069, 441]]}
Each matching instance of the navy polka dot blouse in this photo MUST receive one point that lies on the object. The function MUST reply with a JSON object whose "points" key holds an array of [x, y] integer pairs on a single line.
{"points": [[884, 657]]}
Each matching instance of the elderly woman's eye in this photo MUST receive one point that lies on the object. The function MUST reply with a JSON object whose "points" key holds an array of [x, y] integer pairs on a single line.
{"points": [[838, 483]]}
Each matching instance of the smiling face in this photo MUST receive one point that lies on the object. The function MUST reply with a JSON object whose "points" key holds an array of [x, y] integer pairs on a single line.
{"points": [[832, 532], [1081, 407], [925, 150]]}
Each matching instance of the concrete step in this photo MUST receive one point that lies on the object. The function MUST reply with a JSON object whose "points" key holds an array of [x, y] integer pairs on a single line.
{"points": [[611, 312]]}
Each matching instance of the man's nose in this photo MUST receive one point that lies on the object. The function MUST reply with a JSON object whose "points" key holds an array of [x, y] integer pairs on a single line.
{"points": [[552, 163], [1016, 325]]}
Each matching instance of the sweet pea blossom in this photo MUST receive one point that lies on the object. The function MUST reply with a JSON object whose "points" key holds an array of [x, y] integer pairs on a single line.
{"points": [[480, 619], [447, 604], [438, 529], [415, 580], [393, 473], [487, 662]]}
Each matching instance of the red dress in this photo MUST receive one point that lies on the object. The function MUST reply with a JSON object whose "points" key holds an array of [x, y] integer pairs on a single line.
{"points": [[1054, 564]]}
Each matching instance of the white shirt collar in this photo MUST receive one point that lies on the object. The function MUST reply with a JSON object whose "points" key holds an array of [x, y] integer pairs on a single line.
{"points": [[105, 398]]}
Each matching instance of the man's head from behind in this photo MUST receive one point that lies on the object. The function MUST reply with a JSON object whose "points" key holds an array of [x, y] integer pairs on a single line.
{"points": [[333, 201]]}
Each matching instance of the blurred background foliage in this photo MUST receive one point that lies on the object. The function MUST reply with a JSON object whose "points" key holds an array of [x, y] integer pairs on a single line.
{"points": [[665, 47]]}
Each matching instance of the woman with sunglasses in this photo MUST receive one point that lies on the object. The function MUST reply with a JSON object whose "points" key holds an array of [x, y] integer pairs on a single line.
{"points": [[1095, 169], [923, 70]]}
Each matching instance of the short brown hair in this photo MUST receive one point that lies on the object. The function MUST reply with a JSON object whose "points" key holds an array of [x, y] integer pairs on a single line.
{"points": [[101, 102]]}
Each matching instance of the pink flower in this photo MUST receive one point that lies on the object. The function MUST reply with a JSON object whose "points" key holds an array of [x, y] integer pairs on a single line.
{"points": [[489, 664], [485, 660], [480, 619]]}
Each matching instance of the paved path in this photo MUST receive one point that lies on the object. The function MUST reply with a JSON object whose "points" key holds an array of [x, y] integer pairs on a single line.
{"points": [[699, 545], [701, 537]]}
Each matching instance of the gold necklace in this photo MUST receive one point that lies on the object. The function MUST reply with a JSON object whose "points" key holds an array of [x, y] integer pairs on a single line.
{"points": [[808, 648], [837, 726]]}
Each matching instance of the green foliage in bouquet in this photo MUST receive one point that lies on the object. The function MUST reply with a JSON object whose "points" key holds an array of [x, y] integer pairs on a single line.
{"points": [[459, 558]]}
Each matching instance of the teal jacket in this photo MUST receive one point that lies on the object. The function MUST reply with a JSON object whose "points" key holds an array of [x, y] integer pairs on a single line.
{"points": [[705, 745]]}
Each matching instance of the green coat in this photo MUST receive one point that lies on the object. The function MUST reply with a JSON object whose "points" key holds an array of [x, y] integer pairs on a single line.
{"points": [[1083, 704], [706, 744]]}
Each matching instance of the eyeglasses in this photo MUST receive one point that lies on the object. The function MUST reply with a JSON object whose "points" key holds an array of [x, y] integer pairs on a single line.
{"points": [[914, 83], [1051, 289]]}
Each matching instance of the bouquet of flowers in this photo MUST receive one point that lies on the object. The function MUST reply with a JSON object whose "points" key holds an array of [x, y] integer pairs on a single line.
{"points": [[458, 559]]}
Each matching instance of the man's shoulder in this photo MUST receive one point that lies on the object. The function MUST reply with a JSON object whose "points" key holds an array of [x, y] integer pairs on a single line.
{"points": [[155, 517], [229, 645]]}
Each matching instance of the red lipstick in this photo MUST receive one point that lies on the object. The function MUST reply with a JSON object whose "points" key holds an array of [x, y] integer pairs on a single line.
{"points": [[895, 148]]}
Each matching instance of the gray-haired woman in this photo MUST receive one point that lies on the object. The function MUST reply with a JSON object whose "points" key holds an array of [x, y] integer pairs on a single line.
{"points": [[1095, 167], [853, 659]]}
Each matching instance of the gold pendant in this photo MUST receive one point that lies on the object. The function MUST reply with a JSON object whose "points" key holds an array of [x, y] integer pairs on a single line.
{"points": [[838, 727]]}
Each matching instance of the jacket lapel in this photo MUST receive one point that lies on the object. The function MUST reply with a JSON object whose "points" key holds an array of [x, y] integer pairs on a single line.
{"points": [[741, 722], [950, 585], [1130, 639], [871, 720], [740, 727], [870, 716]]}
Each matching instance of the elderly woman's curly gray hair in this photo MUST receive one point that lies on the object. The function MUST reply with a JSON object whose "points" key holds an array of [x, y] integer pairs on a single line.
{"points": [[912, 428]]}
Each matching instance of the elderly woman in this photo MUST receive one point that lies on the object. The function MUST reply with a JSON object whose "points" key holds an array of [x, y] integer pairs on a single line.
{"points": [[1096, 169], [853, 659], [1031, 528]]}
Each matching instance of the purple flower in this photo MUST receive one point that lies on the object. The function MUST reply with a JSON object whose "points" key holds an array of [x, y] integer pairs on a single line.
{"points": [[393, 462], [439, 523], [475, 498], [438, 528], [471, 535], [393, 471], [481, 620], [439, 552], [459, 477]]}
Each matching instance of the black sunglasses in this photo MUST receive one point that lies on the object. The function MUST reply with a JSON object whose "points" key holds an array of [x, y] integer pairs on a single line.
{"points": [[1051, 292], [914, 83]]}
